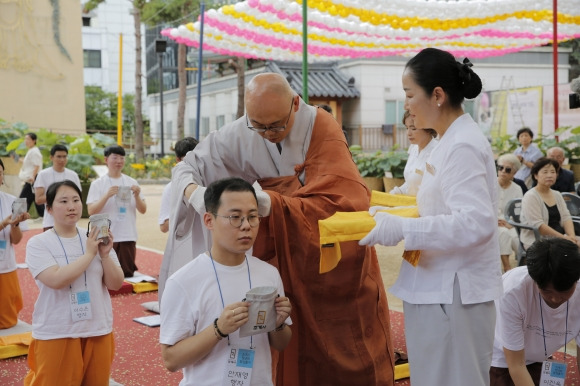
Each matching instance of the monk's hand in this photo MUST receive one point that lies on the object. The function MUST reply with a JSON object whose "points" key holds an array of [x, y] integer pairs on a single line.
{"points": [[196, 198], [264, 201], [387, 231]]}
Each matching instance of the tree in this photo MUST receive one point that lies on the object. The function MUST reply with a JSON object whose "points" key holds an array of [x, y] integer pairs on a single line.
{"points": [[101, 109], [139, 129]]}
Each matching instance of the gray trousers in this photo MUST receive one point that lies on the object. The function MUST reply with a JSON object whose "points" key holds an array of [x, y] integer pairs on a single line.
{"points": [[450, 344]]}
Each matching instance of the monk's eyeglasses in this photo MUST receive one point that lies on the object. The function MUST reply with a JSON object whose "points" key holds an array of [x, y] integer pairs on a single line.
{"points": [[276, 129]]}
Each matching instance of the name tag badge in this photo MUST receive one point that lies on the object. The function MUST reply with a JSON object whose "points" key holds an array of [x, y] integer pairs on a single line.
{"points": [[430, 168], [80, 305], [239, 366], [553, 373], [3, 251], [121, 213]]}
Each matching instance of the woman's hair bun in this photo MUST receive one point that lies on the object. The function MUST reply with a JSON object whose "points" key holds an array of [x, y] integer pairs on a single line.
{"points": [[470, 81]]}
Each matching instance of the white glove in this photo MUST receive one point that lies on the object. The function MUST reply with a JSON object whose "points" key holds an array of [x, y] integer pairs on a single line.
{"points": [[388, 230], [264, 201], [396, 190], [374, 209], [196, 200]]}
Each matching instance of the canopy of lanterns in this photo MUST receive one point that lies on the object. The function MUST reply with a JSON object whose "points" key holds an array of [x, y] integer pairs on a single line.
{"points": [[343, 29]]}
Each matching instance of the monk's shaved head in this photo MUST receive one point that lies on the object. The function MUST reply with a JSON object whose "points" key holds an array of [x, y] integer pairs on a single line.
{"points": [[266, 85], [270, 102]]}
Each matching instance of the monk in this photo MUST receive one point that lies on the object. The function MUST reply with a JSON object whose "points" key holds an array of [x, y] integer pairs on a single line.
{"points": [[298, 155]]}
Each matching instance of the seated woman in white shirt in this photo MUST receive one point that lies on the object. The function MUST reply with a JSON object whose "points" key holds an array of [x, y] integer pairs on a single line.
{"points": [[507, 166], [543, 207], [422, 143]]}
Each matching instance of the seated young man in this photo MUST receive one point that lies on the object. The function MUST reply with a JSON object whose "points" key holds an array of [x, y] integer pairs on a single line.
{"points": [[202, 306], [538, 313]]}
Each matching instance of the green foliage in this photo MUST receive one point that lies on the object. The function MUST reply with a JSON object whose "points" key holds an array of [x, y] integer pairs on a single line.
{"points": [[569, 140], [84, 151], [395, 161], [151, 168], [174, 12], [8, 133], [101, 109], [570, 143], [377, 163]]}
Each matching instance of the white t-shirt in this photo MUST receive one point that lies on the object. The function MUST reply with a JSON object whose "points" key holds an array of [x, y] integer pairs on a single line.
{"points": [[32, 159], [165, 208], [191, 302], [7, 256], [49, 176], [123, 227], [52, 317], [519, 322]]}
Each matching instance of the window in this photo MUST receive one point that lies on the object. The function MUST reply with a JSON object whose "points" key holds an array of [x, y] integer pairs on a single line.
{"points": [[92, 58], [192, 126], [220, 120], [204, 127], [169, 130], [394, 112]]}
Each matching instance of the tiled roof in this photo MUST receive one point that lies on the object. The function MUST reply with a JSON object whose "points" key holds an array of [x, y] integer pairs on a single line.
{"points": [[325, 80]]}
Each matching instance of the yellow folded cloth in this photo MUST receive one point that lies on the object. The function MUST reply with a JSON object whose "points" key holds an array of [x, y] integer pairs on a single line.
{"points": [[144, 287], [349, 226], [392, 200], [14, 345]]}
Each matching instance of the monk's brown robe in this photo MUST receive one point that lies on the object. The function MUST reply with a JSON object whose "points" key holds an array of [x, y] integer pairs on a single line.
{"points": [[341, 331]]}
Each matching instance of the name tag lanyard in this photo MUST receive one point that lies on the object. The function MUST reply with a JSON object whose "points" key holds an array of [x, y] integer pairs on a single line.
{"points": [[544, 333], [4, 242], [66, 257], [221, 294]]}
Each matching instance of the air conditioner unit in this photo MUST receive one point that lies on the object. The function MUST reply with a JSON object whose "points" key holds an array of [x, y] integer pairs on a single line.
{"points": [[388, 129]]}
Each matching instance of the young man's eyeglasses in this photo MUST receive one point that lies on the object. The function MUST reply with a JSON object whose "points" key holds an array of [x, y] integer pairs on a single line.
{"points": [[237, 221], [276, 129], [506, 169]]}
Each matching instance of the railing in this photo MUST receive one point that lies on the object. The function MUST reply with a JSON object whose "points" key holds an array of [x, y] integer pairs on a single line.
{"points": [[373, 138]]}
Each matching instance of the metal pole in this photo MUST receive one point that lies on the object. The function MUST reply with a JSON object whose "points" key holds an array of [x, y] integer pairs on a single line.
{"points": [[120, 95], [199, 66], [161, 101], [555, 56], [305, 50]]}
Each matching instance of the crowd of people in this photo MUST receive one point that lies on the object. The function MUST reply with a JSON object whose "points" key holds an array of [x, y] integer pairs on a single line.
{"points": [[242, 214]]}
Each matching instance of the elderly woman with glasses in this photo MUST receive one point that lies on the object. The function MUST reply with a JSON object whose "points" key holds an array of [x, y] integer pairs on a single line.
{"points": [[507, 166]]}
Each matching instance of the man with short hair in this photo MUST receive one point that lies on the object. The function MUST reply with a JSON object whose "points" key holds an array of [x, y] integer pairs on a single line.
{"points": [[31, 165], [565, 180], [298, 155], [182, 147], [538, 313], [120, 197], [55, 173], [204, 309]]}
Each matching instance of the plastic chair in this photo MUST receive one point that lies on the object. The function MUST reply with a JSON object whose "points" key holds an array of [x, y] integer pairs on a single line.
{"points": [[573, 204], [512, 212]]}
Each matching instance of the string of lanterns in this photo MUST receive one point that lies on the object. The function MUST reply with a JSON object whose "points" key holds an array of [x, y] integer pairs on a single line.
{"points": [[340, 29]]}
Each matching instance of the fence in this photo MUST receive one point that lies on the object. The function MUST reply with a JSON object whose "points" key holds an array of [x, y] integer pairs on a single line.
{"points": [[373, 138]]}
